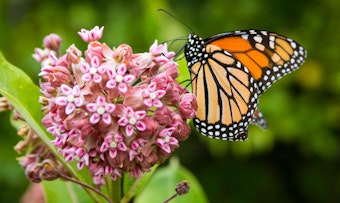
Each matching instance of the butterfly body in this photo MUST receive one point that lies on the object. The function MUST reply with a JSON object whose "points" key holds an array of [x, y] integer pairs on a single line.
{"points": [[229, 71]]}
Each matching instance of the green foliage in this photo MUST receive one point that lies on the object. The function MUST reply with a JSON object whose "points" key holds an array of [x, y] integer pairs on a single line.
{"points": [[133, 186], [20, 91], [295, 160], [61, 191], [162, 185]]}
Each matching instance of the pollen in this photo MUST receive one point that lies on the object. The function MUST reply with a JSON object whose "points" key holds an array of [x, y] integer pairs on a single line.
{"points": [[132, 120], [119, 78], [101, 110], [93, 71], [113, 144], [152, 95], [70, 98]]}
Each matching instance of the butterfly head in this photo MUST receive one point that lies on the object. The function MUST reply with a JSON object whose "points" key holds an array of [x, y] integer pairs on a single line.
{"points": [[194, 49]]}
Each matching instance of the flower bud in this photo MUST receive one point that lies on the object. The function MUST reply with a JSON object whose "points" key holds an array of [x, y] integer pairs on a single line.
{"points": [[73, 54], [188, 106], [32, 172], [52, 41], [182, 187], [48, 172], [91, 35]]}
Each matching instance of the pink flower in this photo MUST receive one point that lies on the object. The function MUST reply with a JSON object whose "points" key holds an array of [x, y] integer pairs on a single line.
{"points": [[164, 115], [71, 98], [54, 73], [170, 68], [78, 123], [152, 95], [143, 61], [163, 82], [60, 140], [98, 176], [135, 149], [47, 89], [69, 153], [136, 172], [101, 111], [166, 141], [161, 53], [119, 78], [108, 56], [41, 55], [188, 106], [52, 42], [113, 172], [73, 54], [94, 49], [123, 53], [93, 71], [113, 144], [111, 110], [151, 129], [133, 98], [53, 124], [82, 158], [91, 35], [132, 119]]}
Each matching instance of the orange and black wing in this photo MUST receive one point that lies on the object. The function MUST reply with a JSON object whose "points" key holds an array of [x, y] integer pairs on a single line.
{"points": [[229, 71], [267, 55]]}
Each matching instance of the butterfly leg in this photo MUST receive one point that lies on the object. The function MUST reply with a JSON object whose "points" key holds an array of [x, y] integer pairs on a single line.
{"points": [[242, 136], [259, 120]]}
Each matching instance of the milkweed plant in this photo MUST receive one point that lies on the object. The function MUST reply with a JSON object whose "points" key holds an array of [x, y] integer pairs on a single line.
{"points": [[102, 119]]}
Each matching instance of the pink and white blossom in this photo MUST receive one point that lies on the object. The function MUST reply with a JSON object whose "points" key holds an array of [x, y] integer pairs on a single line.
{"points": [[152, 95], [91, 35], [70, 97], [101, 110], [118, 78], [110, 110], [132, 119]]}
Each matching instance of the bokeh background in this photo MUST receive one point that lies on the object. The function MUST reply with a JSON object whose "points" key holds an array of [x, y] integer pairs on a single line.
{"points": [[296, 160]]}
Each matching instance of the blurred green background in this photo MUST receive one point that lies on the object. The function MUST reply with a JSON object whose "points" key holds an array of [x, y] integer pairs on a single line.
{"points": [[295, 160]]}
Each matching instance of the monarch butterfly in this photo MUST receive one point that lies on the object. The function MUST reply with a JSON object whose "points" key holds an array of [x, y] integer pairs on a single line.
{"points": [[229, 71]]}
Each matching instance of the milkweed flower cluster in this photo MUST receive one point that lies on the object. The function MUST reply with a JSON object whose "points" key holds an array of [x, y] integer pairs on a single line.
{"points": [[112, 110]]}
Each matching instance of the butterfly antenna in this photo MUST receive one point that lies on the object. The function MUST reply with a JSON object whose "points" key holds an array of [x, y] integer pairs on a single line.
{"points": [[180, 49], [179, 20], [172, 41], [188, 81]]}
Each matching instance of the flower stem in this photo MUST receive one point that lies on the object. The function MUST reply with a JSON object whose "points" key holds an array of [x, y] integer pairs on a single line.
{"points": [[86, 186], [170, 198], [115, 189], [127, 197]]}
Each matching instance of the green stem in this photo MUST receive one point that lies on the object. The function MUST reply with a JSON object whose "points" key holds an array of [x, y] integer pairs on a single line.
{"points": [[86, 186], [115, 189], [138, 185], [127, 197]]}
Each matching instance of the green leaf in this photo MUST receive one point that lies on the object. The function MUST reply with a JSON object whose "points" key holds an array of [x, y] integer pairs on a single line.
{"points": [[23, 94], [134, 186], [162, 186], [61, 191]]}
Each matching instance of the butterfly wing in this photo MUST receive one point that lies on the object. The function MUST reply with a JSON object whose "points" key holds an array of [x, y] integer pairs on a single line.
{"points": [[225, 90], [267, 55], [229, 71]]}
